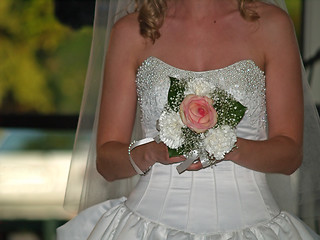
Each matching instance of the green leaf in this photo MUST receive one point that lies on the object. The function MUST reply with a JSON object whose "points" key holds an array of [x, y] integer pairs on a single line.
{"points": [[237, 111], [229, 110], [176, 93], [173, 152]]}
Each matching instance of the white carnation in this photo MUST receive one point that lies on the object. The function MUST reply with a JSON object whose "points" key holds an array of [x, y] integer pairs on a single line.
{"points": [[220, 141], [199, 87], [170, 129]]}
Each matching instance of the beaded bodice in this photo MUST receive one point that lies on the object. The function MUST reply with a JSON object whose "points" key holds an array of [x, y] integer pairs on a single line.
{"points": [[243, 79]]}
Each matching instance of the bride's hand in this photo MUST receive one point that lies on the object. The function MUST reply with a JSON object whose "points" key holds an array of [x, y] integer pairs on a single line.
{"points": [[198, 165], [148, 154], [195, 166]]}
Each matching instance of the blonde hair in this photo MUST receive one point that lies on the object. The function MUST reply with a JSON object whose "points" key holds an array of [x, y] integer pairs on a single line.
{"points": [[152, 13]]}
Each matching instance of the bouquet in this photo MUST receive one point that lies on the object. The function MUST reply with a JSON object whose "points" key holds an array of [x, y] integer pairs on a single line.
{"points": [[199, 120]]}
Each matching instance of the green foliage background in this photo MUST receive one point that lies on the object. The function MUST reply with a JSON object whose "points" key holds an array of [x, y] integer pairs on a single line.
{"points": [[43, 63], [294, 9]]}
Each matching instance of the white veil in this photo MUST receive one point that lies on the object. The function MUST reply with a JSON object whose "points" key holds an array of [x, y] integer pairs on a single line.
{"points": [[86, 187]]}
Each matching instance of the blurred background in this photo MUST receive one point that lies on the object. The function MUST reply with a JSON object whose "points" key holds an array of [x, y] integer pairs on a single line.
{"points": [[44, 51]]}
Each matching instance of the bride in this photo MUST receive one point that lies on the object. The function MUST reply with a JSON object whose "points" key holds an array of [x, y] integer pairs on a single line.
{"points": [[246, 49]]}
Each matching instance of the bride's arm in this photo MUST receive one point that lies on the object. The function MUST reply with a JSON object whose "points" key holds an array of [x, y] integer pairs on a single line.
{"points": [[118, 102], [118, 106], [282, 152]]}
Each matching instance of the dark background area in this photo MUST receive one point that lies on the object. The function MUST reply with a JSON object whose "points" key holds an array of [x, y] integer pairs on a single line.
{"points": [[75, 13]]}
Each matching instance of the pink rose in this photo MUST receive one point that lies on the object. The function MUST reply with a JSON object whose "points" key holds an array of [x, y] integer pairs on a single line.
{"points": [[198, 113]]}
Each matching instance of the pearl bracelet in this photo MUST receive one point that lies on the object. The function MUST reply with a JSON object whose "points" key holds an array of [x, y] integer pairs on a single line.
{"points": [[133, 145]]}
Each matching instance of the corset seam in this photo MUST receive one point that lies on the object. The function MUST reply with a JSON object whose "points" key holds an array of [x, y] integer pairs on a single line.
{"points": [[215, 194], [260, 194], [190, 199], [238, 192], [166, 197], [146, 190]]}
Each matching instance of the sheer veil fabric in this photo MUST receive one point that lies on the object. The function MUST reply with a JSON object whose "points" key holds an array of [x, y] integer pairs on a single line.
{"points": [[86, 187]]}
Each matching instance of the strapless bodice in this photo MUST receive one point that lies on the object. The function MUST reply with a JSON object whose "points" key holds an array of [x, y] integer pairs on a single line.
{"points": [[219, 198], [243, 79]]}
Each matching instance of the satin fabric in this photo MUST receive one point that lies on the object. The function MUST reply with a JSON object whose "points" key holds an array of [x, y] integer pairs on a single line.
{"points": [[113, 220], [226, 201]]}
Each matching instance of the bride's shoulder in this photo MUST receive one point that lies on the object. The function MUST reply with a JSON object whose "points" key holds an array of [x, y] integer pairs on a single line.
{"points": [[272, 17], [127, 27], [126, 38], [274, 23]]}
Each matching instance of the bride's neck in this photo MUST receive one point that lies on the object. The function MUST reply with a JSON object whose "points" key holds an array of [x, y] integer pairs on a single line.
{"points": [[198, 9]]}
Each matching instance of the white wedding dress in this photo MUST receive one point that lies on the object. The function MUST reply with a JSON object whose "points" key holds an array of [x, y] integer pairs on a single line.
{"points": [[225, 201]]}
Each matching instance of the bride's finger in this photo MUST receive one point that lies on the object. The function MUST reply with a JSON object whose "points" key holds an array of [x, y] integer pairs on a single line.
{"points": [[195, 166], [177, 159]]}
